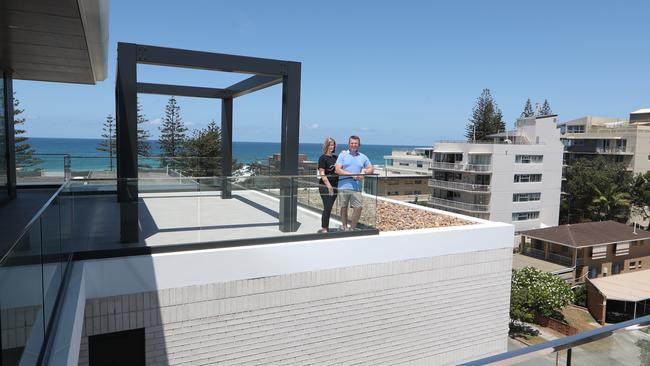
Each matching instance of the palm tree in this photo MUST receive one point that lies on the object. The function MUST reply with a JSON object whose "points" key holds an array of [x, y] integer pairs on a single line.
{"points": [[611, 203]]}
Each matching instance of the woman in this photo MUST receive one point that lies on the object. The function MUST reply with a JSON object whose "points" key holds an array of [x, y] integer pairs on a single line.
{"points": [[328, 181]]}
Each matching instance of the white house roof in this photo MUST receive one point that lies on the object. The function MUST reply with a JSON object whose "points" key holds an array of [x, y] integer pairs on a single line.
{"points": [[633, 286]]}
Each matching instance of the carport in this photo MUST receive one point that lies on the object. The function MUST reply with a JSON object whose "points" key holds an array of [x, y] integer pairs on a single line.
{"points": [[621, 297]]}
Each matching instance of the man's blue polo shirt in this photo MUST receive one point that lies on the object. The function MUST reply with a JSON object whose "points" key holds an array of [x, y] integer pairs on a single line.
{"points": [[352, 164]]}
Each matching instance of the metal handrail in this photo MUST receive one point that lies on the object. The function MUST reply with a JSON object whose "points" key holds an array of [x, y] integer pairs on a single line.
{"points": [[460, 205], [459, 185], [561, 344]]}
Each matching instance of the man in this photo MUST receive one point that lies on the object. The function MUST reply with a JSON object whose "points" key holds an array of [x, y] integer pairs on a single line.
{"points": [[349, 166]]}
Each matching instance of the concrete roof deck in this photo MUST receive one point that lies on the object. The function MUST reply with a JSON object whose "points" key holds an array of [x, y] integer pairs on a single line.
{"points": [[184, 218]]}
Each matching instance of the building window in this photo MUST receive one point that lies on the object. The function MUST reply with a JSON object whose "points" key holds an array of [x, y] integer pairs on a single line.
{"points": [[576, 129], [389, 161], [528, 178], [525, 197], [403, 164], [633, 265], [419, 164], [617, 267], [417, 192], [639, 265], [417, 181], [529, 159], [522, 216], [593, 271]]}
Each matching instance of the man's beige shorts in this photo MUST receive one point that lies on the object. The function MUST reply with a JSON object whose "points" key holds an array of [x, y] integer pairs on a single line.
{"points": [[351, 197]]}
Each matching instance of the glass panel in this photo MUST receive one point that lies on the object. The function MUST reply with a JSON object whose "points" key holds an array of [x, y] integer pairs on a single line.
{"points": [[3, 146], [625, 348], [41, 169], [52, 257], [21, 303]]}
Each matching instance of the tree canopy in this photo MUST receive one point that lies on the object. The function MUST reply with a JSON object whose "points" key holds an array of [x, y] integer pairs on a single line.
{"points": [[528, 109], [546, 109], [172, 131], [25, 154], [534, 291], [640, 195], [107, 144], [596, 189], [486, 118], [205, 147]]}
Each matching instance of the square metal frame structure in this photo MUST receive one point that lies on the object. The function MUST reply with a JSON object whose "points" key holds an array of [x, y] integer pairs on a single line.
{"points": [[266, 73]]}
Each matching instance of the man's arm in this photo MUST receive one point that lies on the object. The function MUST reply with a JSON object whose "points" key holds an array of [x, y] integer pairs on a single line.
{"points": [[339, 170], [368, 169]]}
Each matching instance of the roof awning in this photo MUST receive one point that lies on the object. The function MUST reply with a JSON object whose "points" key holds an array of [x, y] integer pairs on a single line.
{"points": [[631, 286], [63, 41]]}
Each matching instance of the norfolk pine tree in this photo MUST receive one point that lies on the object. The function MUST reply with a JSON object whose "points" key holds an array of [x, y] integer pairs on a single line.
{"points": [[24, 152], [486, 118], [546, 109], [107, 144], [172, 131], [144, 147], [528, 110]]}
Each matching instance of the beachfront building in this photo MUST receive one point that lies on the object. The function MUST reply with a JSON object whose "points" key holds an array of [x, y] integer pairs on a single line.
{"points": [[618, 140], [414, 161], [222, 269], [512, 177], [404, 174]]}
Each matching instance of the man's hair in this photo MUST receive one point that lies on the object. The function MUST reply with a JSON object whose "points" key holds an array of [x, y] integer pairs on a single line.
{"points": [[355, 137]]}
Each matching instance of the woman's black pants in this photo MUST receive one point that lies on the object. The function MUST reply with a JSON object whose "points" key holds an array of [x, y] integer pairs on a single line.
{"points": [[328, 203]]}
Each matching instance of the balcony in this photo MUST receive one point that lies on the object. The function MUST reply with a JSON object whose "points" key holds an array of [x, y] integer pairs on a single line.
{"points": [[613, 150], [458, 186], [461, 167], [550, 257], [462, 206]]}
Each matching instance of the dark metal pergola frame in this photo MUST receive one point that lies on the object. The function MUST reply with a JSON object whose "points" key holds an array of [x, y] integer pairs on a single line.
{"points": [[266, 72]]}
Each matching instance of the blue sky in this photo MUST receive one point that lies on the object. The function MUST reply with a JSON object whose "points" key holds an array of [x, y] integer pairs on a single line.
{"points": [[403, 73]]}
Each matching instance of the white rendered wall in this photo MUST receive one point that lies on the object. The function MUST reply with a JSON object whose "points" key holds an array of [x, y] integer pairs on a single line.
{"points": [[395, 297]]}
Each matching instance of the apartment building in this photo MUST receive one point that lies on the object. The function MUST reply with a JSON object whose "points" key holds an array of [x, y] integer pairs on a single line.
{"points": [[512, 177], [414, 161], [593, 249], [404, 174], [619, 140]]}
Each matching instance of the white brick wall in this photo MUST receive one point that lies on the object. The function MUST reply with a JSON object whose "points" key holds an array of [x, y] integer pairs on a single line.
{"points": [[438, 310], [17, 324]]}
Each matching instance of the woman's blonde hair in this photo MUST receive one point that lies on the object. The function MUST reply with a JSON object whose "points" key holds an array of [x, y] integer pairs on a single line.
{"points": [[327, 143]]}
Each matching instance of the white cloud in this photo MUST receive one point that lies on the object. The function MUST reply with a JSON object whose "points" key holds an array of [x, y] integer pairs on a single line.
{"points": [[154, 122], [313, 126]]}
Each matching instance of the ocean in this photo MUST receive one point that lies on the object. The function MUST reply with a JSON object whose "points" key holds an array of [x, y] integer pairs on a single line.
{"points": [[85, 155]]}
